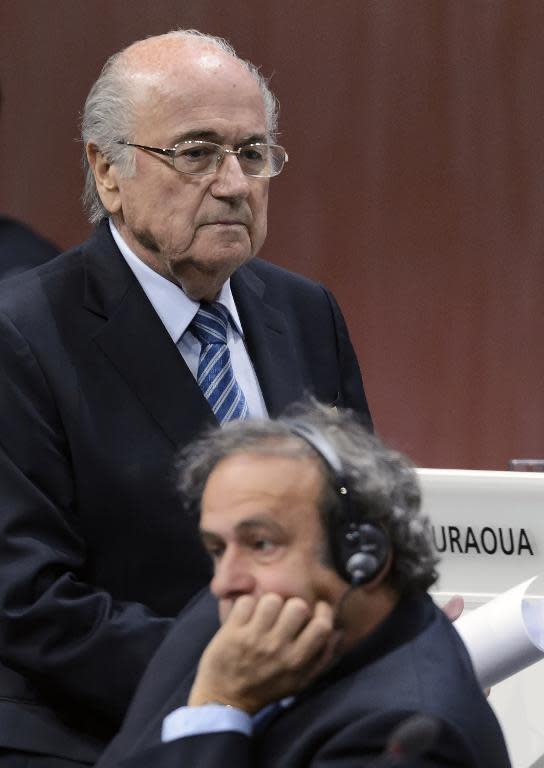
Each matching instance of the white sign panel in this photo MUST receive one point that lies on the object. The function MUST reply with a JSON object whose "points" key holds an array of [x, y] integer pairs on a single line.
{"points": [[488, 528]]}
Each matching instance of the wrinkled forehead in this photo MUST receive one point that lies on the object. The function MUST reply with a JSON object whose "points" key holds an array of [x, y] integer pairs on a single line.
{"points": [[252, 485], [191, 74]]}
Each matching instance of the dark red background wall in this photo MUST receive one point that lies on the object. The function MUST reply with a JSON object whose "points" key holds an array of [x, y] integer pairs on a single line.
{"points": [[415, 187]]}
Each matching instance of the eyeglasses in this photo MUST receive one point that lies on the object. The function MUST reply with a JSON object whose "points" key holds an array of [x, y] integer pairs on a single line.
{"points": [[198, 158]]}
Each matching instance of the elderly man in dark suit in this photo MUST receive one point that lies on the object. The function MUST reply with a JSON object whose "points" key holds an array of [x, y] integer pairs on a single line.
{"points": [[330, 652], [120, 350]]}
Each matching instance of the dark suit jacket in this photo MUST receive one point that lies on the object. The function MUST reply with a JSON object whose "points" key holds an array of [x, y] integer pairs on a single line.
{"points": [[21, 248], [414, 662], [96, 553]]}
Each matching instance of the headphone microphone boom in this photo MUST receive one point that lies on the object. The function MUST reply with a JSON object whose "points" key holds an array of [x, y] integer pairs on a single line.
{"points": [[359, 548]]}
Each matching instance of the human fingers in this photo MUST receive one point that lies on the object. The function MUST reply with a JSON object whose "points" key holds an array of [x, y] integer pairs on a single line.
{"points": [[293, 617], [454, 607], [267, 609], [317, 637], [242, 611]]}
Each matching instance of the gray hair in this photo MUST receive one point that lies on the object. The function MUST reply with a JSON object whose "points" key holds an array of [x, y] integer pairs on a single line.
{"points": [[109, 113], [383, 484]]}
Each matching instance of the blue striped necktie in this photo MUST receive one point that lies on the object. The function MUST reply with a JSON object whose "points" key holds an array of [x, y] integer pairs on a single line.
{"points": [[215, 374]]}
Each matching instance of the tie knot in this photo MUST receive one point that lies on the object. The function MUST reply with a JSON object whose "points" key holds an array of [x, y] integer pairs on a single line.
{"points": [[210, 324]]}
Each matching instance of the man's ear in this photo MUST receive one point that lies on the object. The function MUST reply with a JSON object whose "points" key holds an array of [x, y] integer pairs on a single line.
{"points": [[106, 177]]}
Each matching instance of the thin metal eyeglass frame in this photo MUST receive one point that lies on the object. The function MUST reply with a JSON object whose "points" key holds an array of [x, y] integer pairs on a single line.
{"points": [[170, 152]]}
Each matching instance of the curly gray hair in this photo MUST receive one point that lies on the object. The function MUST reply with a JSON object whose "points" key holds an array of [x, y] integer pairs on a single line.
{"points": [[109, 113], [383, 484]]}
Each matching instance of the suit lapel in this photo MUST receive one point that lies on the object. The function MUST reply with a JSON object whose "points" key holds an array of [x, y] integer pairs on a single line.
{"points": [[136, 343], [268, 342]]}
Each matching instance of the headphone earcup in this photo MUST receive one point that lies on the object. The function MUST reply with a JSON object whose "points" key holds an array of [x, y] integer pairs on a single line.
{"points": [[361, 551], [358, 550], [362, 567]]}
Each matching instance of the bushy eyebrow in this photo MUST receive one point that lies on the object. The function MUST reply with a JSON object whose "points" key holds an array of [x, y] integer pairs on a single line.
{"points": [[200, 135], [245, 527], [210, 539]]}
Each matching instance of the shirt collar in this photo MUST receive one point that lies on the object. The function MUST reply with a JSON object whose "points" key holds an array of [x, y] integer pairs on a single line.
{"points": [[175, 309]]}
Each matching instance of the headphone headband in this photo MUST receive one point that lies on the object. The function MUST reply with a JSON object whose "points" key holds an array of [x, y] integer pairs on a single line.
{"points": [[359, 549], [327, 453]]}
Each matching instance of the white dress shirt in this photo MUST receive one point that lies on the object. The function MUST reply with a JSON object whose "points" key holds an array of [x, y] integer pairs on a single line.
{"points": [[176, 312], [216, 718]]}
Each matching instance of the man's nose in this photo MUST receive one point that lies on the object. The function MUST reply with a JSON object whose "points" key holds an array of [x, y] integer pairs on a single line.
{"points": [[230, 180], [232, 577]]}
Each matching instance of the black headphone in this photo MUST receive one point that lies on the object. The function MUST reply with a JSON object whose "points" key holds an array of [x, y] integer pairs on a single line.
{"points": [[359, 549]]}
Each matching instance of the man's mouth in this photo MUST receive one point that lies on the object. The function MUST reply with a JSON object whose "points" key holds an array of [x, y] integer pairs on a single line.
{"points": [[226, 223]]}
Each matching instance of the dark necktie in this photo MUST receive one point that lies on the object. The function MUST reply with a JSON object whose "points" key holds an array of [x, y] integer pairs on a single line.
{"points": [[215, 374]]}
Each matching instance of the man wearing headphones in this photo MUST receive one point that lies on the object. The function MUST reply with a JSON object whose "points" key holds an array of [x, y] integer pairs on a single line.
{"points": [[329, 645]]}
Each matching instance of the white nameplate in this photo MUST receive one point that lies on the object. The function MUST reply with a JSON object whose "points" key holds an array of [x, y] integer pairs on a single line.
{"points": [[488, 529]]}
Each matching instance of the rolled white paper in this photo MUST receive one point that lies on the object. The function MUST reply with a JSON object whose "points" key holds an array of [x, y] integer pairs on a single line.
{"points": [[505, 635]]}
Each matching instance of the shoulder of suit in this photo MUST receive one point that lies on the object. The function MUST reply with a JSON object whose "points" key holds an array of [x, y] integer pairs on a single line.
{"points": [[269, 272], [14, 290], [17, 290]]}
